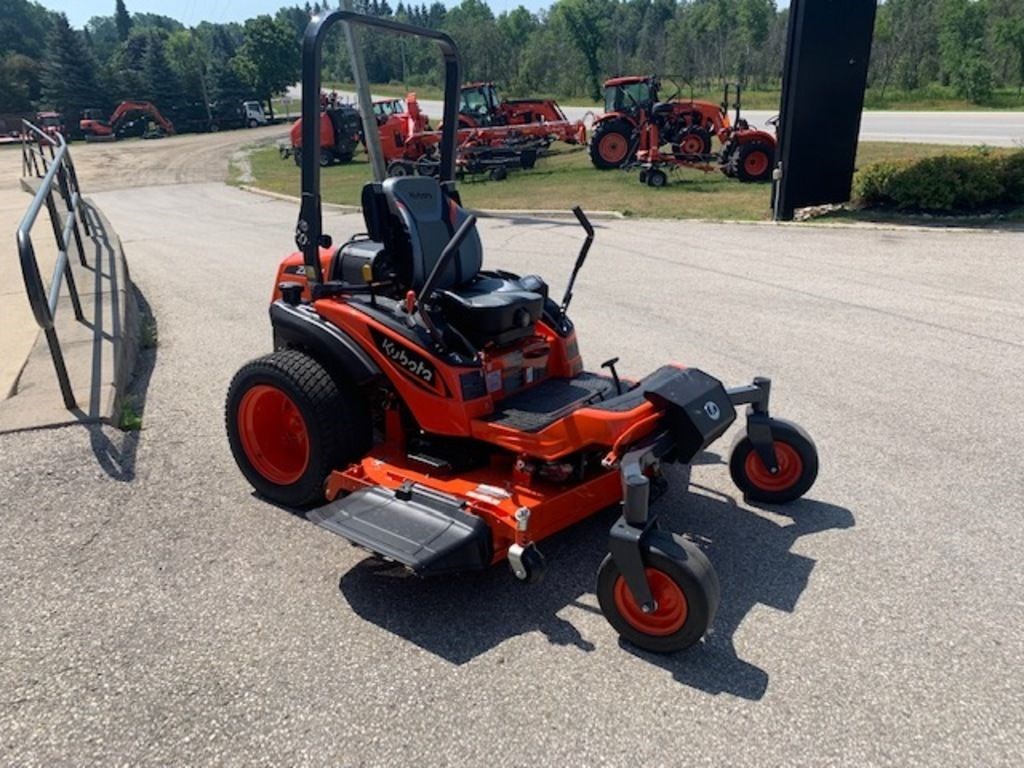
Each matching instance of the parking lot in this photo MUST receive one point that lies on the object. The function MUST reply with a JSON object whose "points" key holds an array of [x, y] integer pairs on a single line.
{"points": [[156, 612]]}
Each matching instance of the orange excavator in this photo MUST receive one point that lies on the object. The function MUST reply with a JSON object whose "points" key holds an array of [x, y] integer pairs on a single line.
{"points": [[121, 122]]}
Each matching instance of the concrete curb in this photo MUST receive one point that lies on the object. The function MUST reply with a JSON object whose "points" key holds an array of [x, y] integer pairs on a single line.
{"points": [[491, 213]]}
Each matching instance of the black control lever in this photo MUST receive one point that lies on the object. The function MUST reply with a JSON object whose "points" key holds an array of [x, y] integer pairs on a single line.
{"points": [[447, 256], [610, 365], [581, 217]]}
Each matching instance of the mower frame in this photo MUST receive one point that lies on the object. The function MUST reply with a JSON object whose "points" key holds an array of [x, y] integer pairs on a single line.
{"points": [[528, 479]]}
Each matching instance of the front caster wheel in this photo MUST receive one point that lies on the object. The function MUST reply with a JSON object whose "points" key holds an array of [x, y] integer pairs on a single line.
{"points": [[796, 455], [686, 595]]}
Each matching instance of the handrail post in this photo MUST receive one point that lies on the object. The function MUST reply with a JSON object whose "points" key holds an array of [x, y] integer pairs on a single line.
{"points": [[69, 203], [62, 252], [73, 174], [57, 177], [62, 370]]}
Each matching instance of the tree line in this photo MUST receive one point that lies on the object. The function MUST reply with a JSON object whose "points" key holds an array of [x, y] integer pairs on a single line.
{"points": [[970, 47]]}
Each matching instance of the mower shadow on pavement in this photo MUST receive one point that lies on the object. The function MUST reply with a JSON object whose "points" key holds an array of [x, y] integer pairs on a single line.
{"points": [[460, 618]]}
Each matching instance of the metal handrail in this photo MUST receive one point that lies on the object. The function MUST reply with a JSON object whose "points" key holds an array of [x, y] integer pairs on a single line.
{"points": [[57, 169]]}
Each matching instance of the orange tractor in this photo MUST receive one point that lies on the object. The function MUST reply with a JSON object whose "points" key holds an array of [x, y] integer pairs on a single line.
{"points": [[480, 107], [636, 125], [340, 134]]}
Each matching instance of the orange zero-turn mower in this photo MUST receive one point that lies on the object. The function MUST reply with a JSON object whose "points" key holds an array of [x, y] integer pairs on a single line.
{"points": [[438, 414]]}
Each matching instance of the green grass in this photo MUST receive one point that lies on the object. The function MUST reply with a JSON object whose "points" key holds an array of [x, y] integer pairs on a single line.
{"points": [[131, 419], [566, 178], [938, 98], [149, 337]]}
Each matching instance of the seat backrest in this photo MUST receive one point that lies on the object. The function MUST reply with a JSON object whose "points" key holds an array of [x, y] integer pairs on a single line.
{"points": [[375, 211], [430, 218]]}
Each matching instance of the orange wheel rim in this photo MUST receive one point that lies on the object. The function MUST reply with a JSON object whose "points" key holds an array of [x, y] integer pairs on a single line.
{"points": [[791, 467], [756, 163], [669, 615], [273, 434], [692, 145], [612, 148]]}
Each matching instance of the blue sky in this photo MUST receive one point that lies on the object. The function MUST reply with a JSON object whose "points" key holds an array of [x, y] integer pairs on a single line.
{"points": [[191, 12]]}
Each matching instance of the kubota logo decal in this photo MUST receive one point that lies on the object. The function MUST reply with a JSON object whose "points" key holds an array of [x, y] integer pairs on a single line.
{"points": [[412, 364]]}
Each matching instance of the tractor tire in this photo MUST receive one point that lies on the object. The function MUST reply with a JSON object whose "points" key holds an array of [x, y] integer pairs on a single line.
{"points": [[326, 157], [253, 123], [498, 174], [796, 455], [290, 424], [726, 164], [400, 168], [657, 178], [686, 592], [297, 156], [692, 141], [752, 162], [611, 146]]}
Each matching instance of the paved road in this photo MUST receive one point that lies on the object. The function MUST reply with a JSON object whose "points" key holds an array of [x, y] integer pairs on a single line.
{"points": [[155, 612], [997, 129]]}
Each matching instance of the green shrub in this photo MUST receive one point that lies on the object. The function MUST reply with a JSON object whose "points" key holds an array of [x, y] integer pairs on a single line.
{"points": [[871, 185], [1011, 174], [945, 183]]}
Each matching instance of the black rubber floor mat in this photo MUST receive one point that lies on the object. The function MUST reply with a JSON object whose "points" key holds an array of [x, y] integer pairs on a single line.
{"points": [[536, 408]]}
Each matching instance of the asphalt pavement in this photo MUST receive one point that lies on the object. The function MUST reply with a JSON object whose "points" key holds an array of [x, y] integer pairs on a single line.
{"points": [[155, 612]]}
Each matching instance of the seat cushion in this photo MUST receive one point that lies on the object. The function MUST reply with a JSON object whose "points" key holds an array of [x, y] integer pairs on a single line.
{"points": [[492, 309]]}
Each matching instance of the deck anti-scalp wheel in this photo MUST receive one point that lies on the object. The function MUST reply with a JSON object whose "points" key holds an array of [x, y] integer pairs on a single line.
{"points": [[686, 595], [289, 424], [796, 455]]}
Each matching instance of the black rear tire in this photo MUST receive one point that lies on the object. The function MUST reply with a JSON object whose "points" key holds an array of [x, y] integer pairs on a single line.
{"points": [[297, 156], [611, 146], [334, 426], [684, 579]]}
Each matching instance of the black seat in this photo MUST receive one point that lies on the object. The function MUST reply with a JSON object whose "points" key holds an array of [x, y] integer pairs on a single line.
{"points": [[376, 249], [485, 308]]}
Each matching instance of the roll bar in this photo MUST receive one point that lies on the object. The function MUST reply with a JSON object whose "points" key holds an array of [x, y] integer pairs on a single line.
{"points": [[309, 231]]}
